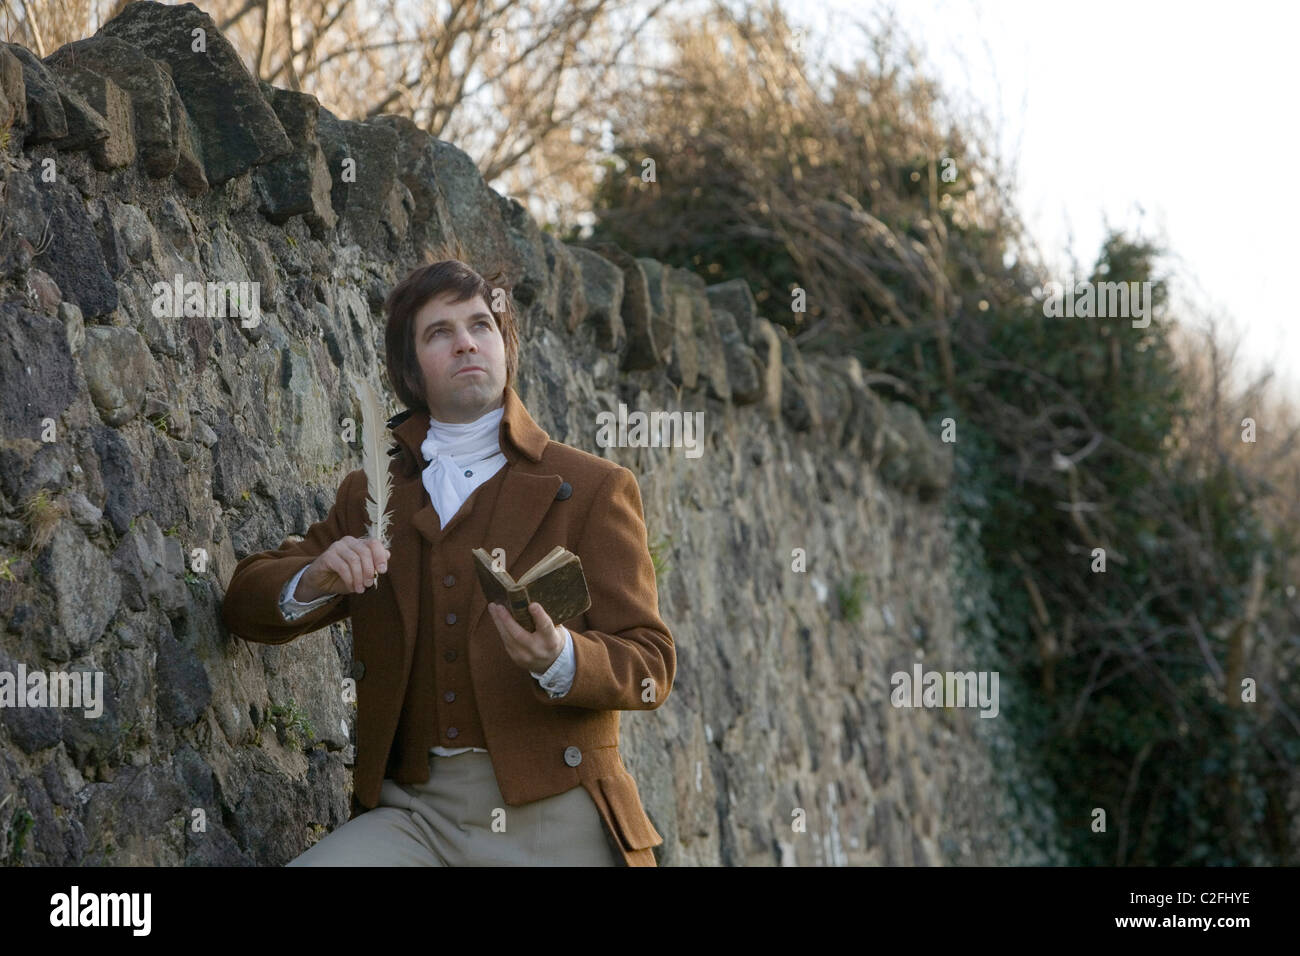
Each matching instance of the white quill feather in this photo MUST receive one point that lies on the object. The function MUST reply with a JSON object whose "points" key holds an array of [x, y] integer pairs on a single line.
{"points": [[378, 481]]}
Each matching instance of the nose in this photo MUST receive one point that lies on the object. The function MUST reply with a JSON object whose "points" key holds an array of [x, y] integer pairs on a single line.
{"points": [[465, 341]]}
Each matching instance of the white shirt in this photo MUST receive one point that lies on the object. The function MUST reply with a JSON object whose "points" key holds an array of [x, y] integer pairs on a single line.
{"points": [[461, 457]]}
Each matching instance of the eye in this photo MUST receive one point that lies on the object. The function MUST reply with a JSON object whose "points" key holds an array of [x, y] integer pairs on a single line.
{"points": [[485, 323]]}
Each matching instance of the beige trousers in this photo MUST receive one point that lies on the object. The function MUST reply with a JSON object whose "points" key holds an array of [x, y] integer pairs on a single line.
{"points": [[459, 818]]}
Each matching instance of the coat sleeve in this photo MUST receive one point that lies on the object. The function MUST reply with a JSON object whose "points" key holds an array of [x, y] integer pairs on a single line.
{"points": [[625, 660], [251, 607]]}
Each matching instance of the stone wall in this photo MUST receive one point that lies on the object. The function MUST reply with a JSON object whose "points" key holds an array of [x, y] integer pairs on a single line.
{"points": [[134, 443]]}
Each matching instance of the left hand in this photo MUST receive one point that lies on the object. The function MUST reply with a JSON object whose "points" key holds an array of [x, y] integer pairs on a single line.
{"points": [[535, 651]]}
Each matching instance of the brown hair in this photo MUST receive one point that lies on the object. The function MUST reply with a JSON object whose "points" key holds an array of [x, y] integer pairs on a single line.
{"points": [[445, 277]]}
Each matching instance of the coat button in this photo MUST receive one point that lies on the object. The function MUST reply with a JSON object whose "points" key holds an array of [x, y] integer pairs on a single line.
{"points": [[449, 696], [450, 655], [452, 732], [358, 670], [566, 489], [451, 618], [572, 756], [449, 580]]}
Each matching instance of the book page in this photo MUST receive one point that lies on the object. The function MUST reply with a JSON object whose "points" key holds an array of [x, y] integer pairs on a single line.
{"points": [[559, 554]]}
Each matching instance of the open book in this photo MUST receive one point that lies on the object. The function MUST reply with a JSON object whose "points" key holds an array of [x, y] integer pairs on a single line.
{"points": [[556, 583]]}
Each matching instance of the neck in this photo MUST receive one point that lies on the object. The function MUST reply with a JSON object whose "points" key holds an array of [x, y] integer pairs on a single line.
{"points": [[464, 416]]}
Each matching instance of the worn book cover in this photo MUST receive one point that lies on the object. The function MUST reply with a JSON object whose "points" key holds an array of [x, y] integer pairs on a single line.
{"points": [[556, 583]]}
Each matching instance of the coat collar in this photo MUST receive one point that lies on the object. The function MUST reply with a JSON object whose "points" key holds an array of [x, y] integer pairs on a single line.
{"points": [[519, 436]]}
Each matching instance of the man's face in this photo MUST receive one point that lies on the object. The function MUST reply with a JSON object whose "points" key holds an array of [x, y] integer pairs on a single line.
{"points": [[449, 338]]}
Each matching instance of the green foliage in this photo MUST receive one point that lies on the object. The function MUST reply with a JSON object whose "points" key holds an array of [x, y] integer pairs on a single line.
{"points": [[851, 595], [1151, 746], [290, 722], [20, 825], [658, 549]]}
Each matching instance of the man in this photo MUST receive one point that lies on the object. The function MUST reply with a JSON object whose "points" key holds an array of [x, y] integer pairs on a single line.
{"points": [[478, 742]]}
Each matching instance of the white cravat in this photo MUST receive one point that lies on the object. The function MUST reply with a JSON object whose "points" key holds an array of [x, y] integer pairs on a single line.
{"points": [[461, 457]]}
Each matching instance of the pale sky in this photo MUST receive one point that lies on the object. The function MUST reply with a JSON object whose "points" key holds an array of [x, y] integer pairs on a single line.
{"points": [[1180, 117]]}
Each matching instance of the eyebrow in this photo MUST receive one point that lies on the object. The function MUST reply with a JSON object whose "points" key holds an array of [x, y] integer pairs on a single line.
{"points": [[439, 322]]}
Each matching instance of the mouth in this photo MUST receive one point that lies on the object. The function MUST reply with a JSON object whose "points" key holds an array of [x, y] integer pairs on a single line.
{"points": [[472, 368]]}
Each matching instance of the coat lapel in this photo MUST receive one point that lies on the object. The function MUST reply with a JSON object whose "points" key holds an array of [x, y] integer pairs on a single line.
{"points": [[525, 499], [405, 565]]}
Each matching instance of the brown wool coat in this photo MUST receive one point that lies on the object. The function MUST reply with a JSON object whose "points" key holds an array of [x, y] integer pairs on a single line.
{"points": [[551, 494]]}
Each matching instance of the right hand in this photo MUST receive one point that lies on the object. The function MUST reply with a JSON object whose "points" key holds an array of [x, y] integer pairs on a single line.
{"points": [[348, 566]]}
